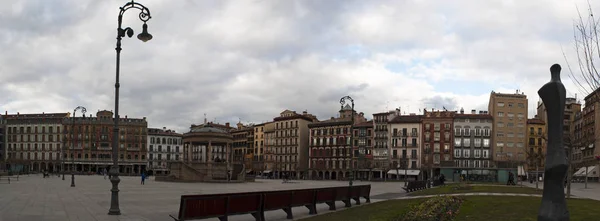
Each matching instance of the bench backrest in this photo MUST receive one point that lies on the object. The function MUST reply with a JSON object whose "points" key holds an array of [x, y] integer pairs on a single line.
{"points": [[217, 205]]}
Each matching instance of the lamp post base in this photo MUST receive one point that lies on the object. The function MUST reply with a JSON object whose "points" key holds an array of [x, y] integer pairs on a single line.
{"points": [[72, 180], [114, 197]]}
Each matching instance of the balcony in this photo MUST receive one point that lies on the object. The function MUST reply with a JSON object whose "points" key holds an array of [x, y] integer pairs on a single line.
{"points": [[436, 128], [404, 134], [414, 157], [395, 134], [414, 134]]}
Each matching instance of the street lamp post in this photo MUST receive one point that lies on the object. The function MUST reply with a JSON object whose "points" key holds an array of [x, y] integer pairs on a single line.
{"points": [[343, 102], [144, 36], [83, 110]]}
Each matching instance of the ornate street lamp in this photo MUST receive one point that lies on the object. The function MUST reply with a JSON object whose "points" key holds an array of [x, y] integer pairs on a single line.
{"points": [[144, 36], [83, 110], [343, 102]]}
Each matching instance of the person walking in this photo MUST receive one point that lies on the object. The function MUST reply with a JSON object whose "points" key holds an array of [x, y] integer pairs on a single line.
{"points": [[143, 178], [104, 172]]}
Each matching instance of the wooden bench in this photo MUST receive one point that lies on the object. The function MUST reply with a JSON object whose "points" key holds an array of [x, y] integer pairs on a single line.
{"points": [[256, 203], [415, 185]]}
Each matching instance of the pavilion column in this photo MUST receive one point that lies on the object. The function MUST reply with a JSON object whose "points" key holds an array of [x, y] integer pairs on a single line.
{"points": [[209, 152]]}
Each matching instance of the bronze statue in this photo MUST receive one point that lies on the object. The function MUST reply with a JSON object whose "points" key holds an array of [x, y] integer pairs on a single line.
{"points": [[554, 204]]}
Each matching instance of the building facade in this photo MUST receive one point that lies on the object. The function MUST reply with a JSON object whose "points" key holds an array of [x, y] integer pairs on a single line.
{"points": [[405, 146], [363, 141], [34, 142], [330, 149], [381, 147], [258, 160], [536, 147], [269, 154], [438, 143], [164, 146], [3, 165], [510, 118], [291, 143], [590, 131], [89, 143], [243, 142], [472, 146]]}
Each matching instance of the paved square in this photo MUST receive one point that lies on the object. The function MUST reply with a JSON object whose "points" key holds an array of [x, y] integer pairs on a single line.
{"points": [[34, 198]]}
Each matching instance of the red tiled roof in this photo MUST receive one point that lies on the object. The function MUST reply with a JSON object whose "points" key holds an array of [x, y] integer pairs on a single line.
{"points": [[535, 121]]}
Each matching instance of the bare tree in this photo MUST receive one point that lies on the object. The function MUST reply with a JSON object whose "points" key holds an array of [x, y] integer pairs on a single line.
{"points": [[586, 34]]}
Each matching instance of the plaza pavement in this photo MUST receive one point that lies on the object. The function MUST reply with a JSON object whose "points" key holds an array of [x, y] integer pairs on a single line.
{"points": [[34, 198], [577, 189]]}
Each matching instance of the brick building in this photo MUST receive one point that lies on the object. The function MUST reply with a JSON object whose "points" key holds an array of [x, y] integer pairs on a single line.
{"points": [[437, 143], [89, 142]]}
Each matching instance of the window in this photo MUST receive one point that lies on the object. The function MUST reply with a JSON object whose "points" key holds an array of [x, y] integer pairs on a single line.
{"points": [[500, 104], [510, 104], [510, 134], [467, 142], [521, 105], [499, 144], [477, 153], [457, 153], [510, 115], [466, 153], [436, 148], [500, 124], [520, 145], [457, 142], [510, 144], [499, 134], [477, 142], [510, 125], [500, 114], [485, 154], [520, 116]]}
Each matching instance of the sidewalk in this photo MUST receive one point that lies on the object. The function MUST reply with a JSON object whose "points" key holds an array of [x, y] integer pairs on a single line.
{"points": [[471, 194], [577, 189]]}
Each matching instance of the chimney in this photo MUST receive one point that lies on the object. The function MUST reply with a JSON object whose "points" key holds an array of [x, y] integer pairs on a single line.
{"points": [[462, 111], [304, 112], [164, 128], [473, 111], [125, 116], [332, 118]]}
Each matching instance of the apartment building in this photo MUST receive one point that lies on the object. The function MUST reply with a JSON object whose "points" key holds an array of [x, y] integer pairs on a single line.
{"points": [[164, 146], [89, 142], [363, 141], [269, 154], [438, 145], [243, 145], [472, 145], [381, 147], [291, 143], [34, 142], [330, 149], [258, 160], [536, 146], [405, 131], [510, 119], [572, 106], [591, 131], [3, 164]]}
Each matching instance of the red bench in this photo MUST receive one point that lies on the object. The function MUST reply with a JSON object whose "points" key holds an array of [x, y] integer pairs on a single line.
{"points": [[256, 203]]}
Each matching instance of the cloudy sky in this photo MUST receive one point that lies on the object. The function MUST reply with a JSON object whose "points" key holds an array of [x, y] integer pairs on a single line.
{"points": [[252, 59]]}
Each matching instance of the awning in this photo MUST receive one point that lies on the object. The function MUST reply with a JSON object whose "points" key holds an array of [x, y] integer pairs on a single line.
{"points": [[580, 172], [403, 172], [592, 172], [267, 171]]}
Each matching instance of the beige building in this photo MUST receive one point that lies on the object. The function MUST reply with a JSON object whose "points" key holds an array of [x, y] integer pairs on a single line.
{"points": [[405, 145], [258, 160], [510, 120], [291, 143]]}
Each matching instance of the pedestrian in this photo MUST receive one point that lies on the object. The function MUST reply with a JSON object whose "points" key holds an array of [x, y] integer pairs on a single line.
{"points": [[104, 172], [143, 178]]}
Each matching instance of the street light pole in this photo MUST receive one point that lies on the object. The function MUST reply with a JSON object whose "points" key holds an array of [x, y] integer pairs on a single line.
{"points": [[73, 143], [352, 169], [144, 36]]}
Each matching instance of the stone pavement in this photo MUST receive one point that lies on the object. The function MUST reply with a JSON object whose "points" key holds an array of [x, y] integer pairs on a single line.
{"points": [[34, 198], [577, 189]]}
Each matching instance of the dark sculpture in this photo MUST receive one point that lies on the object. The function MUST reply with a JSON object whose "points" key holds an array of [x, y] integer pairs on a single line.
{"points": [[554, 205]]}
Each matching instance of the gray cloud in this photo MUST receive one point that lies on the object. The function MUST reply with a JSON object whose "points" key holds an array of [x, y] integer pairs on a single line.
{"points": [[254, 59]]}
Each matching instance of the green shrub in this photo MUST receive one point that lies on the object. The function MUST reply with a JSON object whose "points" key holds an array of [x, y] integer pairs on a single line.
{"points": [[441, 208]]}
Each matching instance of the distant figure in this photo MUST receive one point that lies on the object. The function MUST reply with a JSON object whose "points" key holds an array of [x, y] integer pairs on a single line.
{"points": [[442, 179], [143, 177], [511, 179], [104, 172]]}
